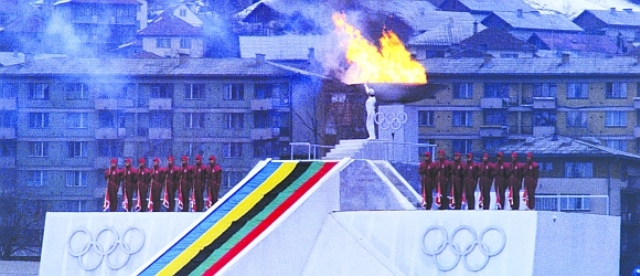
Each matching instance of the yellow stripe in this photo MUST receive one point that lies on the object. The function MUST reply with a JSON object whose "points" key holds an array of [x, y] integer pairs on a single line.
{"points": [[236, 213]]}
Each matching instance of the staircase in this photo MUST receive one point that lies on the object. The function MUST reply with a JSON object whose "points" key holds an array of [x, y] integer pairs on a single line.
{"points": [[346, 148]]}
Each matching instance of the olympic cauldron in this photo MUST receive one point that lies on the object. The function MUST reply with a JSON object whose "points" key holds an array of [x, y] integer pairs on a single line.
{"points": [[402, 93]]}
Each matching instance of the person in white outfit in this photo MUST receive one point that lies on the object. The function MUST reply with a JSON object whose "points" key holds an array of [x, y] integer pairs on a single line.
{"points": [[370, 106]]}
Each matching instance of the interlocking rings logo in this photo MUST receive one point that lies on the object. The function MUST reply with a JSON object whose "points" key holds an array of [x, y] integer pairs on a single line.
{"points": [[461, 250], [104, 245], [390, 120]]}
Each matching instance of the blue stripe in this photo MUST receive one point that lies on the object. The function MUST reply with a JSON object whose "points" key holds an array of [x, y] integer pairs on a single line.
{"points": [[211, 219]]}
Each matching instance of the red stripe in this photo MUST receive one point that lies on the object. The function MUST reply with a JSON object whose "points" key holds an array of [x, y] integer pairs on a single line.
{"points": [[286, 204]]}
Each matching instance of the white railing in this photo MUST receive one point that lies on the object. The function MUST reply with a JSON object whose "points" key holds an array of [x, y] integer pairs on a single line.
{"points": [[312, 149], [394, 151], [572, 203]]}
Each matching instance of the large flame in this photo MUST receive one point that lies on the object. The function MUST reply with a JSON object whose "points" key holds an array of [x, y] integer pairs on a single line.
{"points": [[391, 64]]}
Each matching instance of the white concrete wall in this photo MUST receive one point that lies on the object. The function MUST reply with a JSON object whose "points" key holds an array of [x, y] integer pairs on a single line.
{"points": [[534, 244], [159, 229]]}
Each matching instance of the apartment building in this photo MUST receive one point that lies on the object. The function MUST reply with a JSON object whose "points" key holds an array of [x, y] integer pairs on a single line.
{"points": [[491, 101], [63, 119]]}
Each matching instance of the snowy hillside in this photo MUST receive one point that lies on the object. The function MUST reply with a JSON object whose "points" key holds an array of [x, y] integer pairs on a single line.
{"points": [[573, 8]]}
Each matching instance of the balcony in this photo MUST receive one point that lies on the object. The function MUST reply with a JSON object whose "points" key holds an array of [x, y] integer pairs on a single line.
{"points": [[636, 102], [636, 132], [543, 131], [7, 162], [8, 103], [159, 133], [107, 133], [159, 103], [264, 104], [106, 103], [544, 102], [7, 133], [493, 102], [494, 131], [264, 133]]}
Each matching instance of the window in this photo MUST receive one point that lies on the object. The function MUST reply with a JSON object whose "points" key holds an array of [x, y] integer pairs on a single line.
{"points": [[110, 148], [185, 43], [8, 118], [234, 92], [282, 91], [504, 55], [75, 91], [265, 149], [577, 90], [493, 143], [161, 91], [545, 166], [574, 203], [77, 120], [194, 92], [263, 91], [183, 12], [37, 178], [76, 179], [39, 91], [426, 118], [194, 120], [423, 149], [544, 118], [234, 120], [232, 150], [231, 178], [262, 119], [38, 149], [463, 90], [106, 119], [496, 90], [38, 120], [163, 43], [8, 90], [462, 146], [495, 117], [76, 149], [160, 147], [160, 119], [576, 119], [616, 90], [616, 144], [8, 148], [76, 206], [544, 90], [615, 119], [462, 118], [578, 169]]}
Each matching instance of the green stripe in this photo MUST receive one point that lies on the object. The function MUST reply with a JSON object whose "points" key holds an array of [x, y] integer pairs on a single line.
{"points": [[251, 224]]}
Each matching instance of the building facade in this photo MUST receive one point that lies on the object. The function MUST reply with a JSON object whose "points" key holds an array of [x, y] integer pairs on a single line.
{"points": [[63, 120]]}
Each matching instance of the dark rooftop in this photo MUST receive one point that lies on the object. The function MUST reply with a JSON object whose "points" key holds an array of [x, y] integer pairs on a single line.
{"points": [[494, 39], [616, 17], [574, 42], [535, 21], [563, 146]]}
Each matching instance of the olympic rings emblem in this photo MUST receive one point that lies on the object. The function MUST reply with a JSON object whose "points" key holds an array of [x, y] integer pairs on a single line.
{"points": [[113, 241], [390, 120], [462, 251]]}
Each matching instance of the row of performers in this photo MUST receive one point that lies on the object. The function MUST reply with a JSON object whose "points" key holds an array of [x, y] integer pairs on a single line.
{"points": [[158, 186], [460, 180]]}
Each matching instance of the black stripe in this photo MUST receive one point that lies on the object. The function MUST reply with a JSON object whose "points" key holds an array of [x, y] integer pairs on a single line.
{"points": [[300, 168]]}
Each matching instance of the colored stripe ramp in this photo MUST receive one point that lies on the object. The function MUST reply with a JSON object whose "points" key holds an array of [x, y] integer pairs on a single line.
{"points": [[239, 219]]}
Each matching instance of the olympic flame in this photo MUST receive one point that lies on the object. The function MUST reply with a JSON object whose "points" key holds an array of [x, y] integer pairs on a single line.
{"points": [[392, 63]]}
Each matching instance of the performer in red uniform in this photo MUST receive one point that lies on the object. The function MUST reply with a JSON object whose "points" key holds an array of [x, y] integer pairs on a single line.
{"points": [[515, 181], [428, 171], [144, 178], [199, 172], [500, 175], [485, 170], [214, 178], [113, 184], [170, 176], [129, 186], [442, 181], [531, 173], [185, 179], [456, 169], [470, 181], [157, 176]]}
